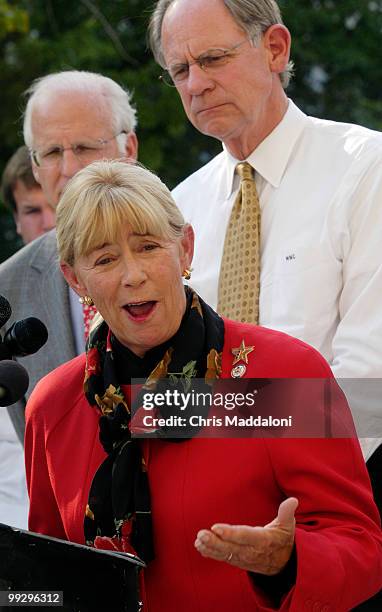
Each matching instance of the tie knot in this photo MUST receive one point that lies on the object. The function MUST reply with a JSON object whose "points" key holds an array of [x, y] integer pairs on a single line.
{"points": [[245, 171]]}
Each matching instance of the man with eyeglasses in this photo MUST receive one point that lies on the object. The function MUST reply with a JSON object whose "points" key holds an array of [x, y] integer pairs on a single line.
{"points": [[72, 118], [318, 184], [315, 268]]}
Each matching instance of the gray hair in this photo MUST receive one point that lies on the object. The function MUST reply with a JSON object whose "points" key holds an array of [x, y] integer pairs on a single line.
{"points": [[123, 114], [252, 16]]}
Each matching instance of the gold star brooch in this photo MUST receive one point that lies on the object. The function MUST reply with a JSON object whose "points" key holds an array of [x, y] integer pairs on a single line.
{"points": [[241, 353]]}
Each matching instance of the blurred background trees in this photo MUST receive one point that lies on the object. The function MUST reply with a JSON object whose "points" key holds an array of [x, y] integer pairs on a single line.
{"points": [[336, 50]]}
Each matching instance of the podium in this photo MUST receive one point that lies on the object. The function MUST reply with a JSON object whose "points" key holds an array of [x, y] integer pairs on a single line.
{"points": [[89, 579]]}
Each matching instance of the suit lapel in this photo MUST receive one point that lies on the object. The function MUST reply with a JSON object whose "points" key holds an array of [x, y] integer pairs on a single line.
{"points": [[54, 304], [48, 297]]}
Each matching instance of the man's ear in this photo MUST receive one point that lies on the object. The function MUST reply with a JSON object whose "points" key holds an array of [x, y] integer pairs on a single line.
{"points": [[277, 41], [72, 279], [36, 173], [17, 223], [187, 245], [131, 146]]}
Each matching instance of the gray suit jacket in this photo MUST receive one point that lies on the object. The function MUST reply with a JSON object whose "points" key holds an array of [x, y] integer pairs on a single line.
{"points": [[32, 282]]}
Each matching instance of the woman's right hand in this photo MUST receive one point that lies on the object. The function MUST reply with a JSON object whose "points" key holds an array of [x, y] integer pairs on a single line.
{"points": [[264, 550]]}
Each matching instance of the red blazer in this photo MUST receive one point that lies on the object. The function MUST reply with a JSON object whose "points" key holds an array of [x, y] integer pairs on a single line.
{"points": [[203, 481]]}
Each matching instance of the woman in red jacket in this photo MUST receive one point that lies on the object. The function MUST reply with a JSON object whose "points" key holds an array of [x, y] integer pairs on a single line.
{"points": [[223, 524]]}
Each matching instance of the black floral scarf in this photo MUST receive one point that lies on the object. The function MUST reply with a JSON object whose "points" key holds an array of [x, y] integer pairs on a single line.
{"points": [[118, 514]]}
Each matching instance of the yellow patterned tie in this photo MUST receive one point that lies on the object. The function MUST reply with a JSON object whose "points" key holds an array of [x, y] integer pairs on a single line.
{"points": [[239, 280]]}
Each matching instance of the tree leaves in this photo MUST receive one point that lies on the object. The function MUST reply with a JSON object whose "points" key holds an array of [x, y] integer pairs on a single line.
{"points": [[336, 49]]}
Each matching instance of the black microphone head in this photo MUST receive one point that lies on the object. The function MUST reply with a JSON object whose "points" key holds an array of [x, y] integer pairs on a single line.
{"points": [[5, 310], [25, 337], [14, 381]]}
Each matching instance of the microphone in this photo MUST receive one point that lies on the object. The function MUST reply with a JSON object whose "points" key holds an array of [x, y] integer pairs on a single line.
{"points": [[14, 381], [23, 338], [5, 310]]}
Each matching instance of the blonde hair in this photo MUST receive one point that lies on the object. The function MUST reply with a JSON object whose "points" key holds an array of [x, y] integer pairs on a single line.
{"points": [[100, 199]]}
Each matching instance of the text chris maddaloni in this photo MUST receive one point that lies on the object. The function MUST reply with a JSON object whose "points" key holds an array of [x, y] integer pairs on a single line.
{"points": [[228, 420]]}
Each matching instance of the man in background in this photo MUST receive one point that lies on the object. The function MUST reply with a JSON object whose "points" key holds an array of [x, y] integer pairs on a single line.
{"points": [[21, 193], [287, 216], [71, 119]]}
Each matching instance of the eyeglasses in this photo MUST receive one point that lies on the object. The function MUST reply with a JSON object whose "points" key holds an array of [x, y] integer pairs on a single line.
{"points": [[211, 60], [86, 152]]}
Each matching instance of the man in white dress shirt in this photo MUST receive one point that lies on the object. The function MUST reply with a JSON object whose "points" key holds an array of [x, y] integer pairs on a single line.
{"points": [[71, 119], [319, 185]]}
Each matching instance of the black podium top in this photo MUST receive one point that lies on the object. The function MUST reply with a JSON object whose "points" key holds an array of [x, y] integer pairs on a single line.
{"points": [[90, 579]]}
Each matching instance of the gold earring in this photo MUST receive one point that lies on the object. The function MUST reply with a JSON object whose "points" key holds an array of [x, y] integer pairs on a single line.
{"points": [[87, 300], [187, 274]]}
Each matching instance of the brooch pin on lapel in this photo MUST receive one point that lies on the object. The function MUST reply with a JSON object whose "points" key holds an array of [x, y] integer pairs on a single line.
{"points": [[240, 354]]}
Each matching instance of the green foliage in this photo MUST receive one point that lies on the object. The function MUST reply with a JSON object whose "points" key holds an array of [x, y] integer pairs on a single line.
{"points": [[336, 49], [12, 19]]}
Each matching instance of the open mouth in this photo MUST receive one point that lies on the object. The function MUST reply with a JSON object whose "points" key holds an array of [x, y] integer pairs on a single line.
{"points": [[140, 310]]}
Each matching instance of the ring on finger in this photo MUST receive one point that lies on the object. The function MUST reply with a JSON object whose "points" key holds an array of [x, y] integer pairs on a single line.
{"points": [[228, 559]]}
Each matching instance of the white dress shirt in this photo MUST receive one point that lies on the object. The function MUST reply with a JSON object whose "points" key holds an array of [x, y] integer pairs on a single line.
{"points": [[320, 189]]}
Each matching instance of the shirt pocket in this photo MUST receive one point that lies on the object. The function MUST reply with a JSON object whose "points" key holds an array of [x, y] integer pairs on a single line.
{"points": [[304, 288]]}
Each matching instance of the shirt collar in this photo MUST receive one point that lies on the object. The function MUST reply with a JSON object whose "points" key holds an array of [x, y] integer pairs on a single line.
{"points": [[271, 157]]}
